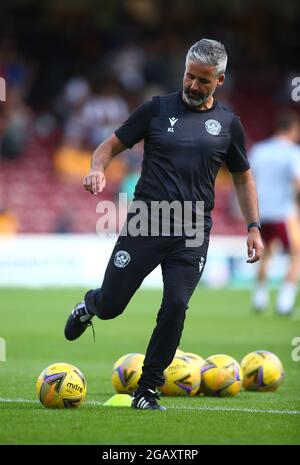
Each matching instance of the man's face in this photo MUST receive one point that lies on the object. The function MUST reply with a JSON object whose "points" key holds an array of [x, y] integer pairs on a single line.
{"points": [[199, 83]]}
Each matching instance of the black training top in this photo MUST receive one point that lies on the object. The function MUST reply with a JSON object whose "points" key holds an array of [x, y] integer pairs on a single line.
{"points": [[184, 148]]}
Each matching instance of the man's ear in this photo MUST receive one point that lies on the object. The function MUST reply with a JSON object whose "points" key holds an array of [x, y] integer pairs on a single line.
{"points": [[221, 80]]}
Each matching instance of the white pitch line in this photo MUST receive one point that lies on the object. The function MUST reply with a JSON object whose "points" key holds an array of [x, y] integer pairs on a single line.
{"points": [[204, 408], [237, 409], [19, 401]]}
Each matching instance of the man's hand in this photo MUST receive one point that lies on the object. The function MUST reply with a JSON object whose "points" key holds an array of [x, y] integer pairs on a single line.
{"points": [[94, 182], [255, 245]]}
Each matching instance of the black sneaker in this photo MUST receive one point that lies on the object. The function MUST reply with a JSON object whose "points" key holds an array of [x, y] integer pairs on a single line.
{"points": [[146, 400], [77, 322]]}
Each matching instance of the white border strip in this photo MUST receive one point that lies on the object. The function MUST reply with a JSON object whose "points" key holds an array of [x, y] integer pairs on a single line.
{"points": [[238, 409], [204, 408]]}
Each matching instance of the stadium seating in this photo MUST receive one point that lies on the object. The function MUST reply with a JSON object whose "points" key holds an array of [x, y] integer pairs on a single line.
{"points": [[45, 202]]}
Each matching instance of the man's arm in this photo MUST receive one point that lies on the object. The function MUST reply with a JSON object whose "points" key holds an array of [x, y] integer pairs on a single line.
{"points": [[95, 181], [246, 192]]}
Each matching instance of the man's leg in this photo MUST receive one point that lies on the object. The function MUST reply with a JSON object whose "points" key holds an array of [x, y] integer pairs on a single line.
{"points": [[288, 292], [287, 295], [132, 259], [182, 270], [271, 233], [260, 296]]}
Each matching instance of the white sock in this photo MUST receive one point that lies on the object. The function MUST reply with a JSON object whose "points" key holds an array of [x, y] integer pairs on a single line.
{"points": [[260, 297], [286, 298]]}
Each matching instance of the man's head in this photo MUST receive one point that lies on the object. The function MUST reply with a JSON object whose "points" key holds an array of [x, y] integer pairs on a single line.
{"points": [[288, 125], [205, 69]]}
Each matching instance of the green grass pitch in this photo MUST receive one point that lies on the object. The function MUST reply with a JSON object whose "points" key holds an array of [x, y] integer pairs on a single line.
{"points": [[218, 321]]}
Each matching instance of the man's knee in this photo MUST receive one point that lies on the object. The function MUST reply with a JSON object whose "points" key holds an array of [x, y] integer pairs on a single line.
{"points": [[173, 309], [109, 307]]}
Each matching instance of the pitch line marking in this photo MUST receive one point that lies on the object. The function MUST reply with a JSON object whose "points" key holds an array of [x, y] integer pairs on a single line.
{"points": [[204, 408], [239, 409]]}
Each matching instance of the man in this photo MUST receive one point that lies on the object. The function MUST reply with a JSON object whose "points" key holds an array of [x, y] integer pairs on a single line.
{"points": [[187, 136], [276, 167]]}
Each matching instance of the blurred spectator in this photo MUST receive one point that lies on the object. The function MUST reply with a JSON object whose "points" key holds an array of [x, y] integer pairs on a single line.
{"points": [[276, 166], [72, 99], [103, 112], [156, 63], [133, 159], [44, 126], [15, 124], [129, 182], [8, 222], [127, 66], [64, 224], [16, 117], [71, 161], [13, 67], [87, 127], [115, 173]]}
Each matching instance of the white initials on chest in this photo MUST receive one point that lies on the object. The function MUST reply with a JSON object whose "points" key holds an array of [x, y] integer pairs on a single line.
{"points": [[173, 121]]}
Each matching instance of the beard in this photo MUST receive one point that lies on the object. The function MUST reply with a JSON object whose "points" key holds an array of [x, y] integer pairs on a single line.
{"points": [[195, 99]]}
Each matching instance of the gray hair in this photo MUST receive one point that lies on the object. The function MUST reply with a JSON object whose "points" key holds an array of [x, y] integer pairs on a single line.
{"points": [[209, 52]]}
